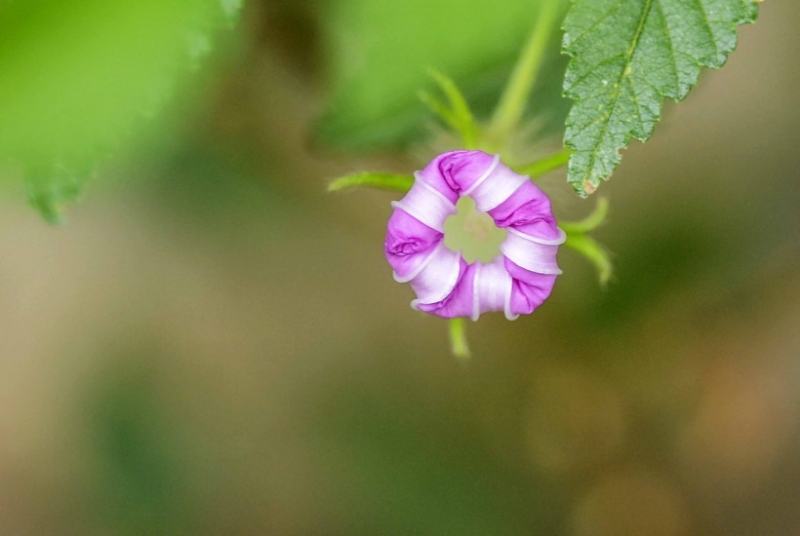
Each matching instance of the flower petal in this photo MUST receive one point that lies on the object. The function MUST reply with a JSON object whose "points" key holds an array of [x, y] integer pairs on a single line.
{"points": [[427, 205], [408, 243], [438, 275], [532, 253], [491, 287]]}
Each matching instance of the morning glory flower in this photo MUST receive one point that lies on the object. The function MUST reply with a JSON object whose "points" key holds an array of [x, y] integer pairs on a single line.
{"points": [[516, 281]]}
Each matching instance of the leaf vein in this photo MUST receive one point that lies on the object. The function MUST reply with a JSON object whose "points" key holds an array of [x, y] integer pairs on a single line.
{"points": [[671, 45], [598, 22], [624, 74], [709, 29]]}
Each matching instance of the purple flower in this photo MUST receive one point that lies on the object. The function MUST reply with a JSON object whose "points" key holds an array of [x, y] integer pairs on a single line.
{"points": [[516, 282]]}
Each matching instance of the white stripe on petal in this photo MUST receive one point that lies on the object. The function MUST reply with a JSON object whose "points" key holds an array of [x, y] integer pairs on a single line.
{"points": [[426, 204], [486, 174], [418, 268], [492, 192], [533, 253], [438, 277], [557, 241], [492, 288], [507, 308]]}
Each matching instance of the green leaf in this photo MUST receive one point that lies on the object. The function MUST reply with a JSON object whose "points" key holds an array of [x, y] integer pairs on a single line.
{"points": [[382, 181], [627, 56]]}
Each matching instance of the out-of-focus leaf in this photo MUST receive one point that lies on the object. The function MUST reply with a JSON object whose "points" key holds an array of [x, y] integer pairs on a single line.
{"points": [[627, 57], [80, 76], [231, 8], [53, 184], [382, 49]]}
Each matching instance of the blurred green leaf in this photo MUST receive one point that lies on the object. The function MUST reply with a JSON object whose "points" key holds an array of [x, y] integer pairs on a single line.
{"points": [[627, 57], [383, 48], [231, 8], [52, 184], [139, 477], [78, 77]]}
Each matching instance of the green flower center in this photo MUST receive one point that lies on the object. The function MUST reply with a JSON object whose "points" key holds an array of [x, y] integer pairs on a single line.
{"points": [[473, 233]]}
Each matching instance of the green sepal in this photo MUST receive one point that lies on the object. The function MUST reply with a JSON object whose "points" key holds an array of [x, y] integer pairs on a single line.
{"points": [[393, 182], [456, 114], [579, 240], [594, 252], [591, 222]]}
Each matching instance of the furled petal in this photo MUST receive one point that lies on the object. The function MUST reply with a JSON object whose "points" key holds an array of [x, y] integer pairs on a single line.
{"points": [[497, 186], [528, 210], [459, 302], [492, 288], [530, 290], [427, 205], [438, 275], [408, 244], [533, 253], [482, 288]]}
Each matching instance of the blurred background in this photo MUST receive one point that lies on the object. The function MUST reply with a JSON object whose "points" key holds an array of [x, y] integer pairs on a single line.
{"points": [[212, 344]]}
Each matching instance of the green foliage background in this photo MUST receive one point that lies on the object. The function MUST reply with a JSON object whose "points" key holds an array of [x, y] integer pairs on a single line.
{"points": [[381, 53], [81, 79]]}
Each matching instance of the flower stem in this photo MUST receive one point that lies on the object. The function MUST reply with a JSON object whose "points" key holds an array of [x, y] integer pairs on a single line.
{"points": [[546, 164], [512, 103], [458, 339]]}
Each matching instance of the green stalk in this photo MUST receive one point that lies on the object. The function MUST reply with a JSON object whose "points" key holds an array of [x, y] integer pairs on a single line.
{"points": [[515, 97], [458, 339], [546, 164]]}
